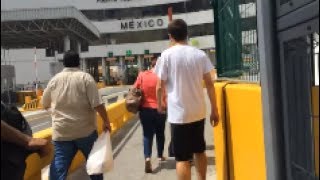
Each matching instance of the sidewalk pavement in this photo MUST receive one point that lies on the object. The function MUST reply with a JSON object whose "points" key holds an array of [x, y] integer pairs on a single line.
{"points": [[129, 160]]}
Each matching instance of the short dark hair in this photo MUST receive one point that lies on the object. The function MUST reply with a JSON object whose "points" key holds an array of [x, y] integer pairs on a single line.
{"points": [[71, 59], [154, 60], [178, 29]]}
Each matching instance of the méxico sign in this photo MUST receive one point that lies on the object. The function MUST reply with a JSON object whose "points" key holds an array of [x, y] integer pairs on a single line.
{"points": [[138, 24]]}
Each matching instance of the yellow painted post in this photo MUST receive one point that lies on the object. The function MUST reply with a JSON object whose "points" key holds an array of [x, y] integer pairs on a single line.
{"points": [[33, 169], [27, 99], [246, 132], [39, 92], [32, 105], [39, 106], [76, 162], [219, 136], [34, 163], [35, 104]]}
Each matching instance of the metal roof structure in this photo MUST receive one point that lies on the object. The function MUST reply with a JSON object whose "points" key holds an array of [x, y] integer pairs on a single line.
{"points": [[26, 28]]}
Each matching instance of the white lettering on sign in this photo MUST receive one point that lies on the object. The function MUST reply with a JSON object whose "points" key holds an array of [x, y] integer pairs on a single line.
{"points": [[141, 24]]}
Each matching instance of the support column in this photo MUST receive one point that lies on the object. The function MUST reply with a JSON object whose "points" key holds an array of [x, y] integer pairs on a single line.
{"points": [[103, 67], [66, 43], [122, 73], [270, 84], [84, 65], [108, 76], [78, 50], [122, 69], [121, 61], [140, 63]]}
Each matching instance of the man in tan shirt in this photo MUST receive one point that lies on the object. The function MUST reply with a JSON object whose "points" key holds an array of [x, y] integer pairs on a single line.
{"points": [[74, 100]]}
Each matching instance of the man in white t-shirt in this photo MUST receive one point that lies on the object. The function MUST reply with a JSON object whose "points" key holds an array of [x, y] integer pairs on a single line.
{"points": [[181, 70]]}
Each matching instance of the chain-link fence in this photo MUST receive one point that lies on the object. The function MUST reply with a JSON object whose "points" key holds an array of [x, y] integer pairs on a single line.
{"points": [[236, 39]]}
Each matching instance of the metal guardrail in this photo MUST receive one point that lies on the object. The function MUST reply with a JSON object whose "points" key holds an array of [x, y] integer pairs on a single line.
{"points": [[114, 97], [35, 104]]}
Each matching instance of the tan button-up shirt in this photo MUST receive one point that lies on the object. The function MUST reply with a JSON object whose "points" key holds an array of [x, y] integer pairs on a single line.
{"points": [[72, 96]]}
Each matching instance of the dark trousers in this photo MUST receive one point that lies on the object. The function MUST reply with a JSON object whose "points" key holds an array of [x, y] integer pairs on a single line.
{"points": [[153, 123]]}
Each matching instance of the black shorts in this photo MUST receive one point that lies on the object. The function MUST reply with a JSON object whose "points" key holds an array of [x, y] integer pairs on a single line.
{"points": [[187, 139]]}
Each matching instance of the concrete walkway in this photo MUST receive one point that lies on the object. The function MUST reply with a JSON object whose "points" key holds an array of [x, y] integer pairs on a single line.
{"points": [[129, 160]]}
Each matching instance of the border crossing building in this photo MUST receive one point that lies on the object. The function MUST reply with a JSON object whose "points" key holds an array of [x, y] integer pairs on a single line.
{"points": [[130, 33]]}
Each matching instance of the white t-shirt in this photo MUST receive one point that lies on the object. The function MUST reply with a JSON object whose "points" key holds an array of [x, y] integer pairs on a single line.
{"points": [[183, 67]]}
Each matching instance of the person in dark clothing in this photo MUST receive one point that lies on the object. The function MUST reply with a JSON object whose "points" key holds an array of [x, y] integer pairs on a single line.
{"points": [[15, 147]]}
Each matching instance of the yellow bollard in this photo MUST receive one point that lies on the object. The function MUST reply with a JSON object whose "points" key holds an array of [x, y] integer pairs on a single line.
{"points": [[27, 106], [39, 106], [27, 99], [39, 92], [32, 104]]}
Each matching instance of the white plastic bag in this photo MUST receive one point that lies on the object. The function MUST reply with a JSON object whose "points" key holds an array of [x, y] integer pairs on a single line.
{"points": [[100, 159]]}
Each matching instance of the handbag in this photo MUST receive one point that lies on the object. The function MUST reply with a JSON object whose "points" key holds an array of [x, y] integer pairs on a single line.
{"points": [[134, 99]]}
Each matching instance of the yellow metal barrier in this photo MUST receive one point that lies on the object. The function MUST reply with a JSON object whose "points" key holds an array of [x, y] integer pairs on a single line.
{"points": [[27, 99], [21, 96], [32, 104], [117, 114], [239, 138], [34, 163], [220, 135], [101, 85], [245, 132]]}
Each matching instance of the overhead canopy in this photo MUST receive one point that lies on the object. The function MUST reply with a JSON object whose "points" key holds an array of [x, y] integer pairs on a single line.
{"points": [[26, 28]]}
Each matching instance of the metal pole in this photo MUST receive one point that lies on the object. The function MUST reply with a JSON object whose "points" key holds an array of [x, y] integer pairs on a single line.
{"points": [[4, 56], [170, 12], [270, 86], [104, 72], [66, 44], [35, 66]]}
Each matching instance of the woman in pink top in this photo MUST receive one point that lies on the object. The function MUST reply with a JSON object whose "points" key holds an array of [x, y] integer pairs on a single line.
{"points": [[153, 123]]}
